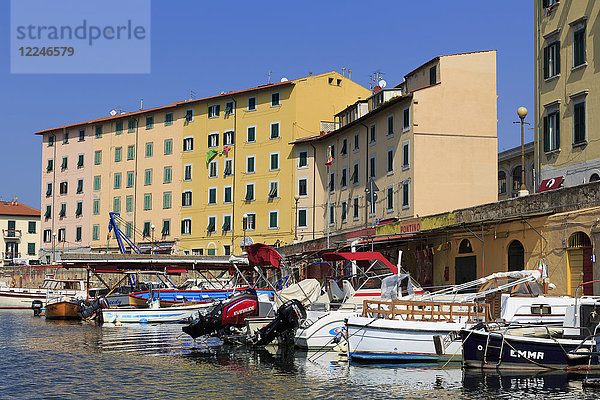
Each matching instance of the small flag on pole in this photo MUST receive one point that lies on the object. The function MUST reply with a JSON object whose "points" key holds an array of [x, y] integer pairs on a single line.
{"points": [[329, 156]]}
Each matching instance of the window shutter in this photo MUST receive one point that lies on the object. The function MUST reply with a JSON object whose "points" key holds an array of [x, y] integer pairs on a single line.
{"points": [[546, 135], [557, 128], [182, 227], [546, 62], [557, 44]]}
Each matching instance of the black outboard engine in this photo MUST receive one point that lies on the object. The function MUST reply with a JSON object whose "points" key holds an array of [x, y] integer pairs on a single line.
{"points": [[284, 325], [37, 306], [224, 315], [90, 310]]}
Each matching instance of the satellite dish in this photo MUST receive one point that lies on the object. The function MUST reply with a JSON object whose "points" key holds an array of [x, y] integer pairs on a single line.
{"points": [[284, 79], [382, 83], [113, 113]]}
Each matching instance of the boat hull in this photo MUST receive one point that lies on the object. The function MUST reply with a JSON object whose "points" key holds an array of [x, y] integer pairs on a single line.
{"points": [[152, 315], [63, 310], [322, 333], [20, 298]]}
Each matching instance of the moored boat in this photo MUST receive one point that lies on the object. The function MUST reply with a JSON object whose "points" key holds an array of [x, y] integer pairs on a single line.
{"points": [[63, 308], [22, 298]]}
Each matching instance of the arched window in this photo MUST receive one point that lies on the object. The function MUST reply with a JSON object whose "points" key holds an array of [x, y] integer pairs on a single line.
{"points": [[516, 178], [501, 182], [595, 177], [211, 249], [465, 247], [516, 256]]}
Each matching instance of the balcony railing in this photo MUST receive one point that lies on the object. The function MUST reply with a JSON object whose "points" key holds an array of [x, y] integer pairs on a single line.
{"points": [[10, 256], [11, 233]]}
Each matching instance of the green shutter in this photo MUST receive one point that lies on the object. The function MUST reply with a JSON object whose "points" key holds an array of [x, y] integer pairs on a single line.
{"points": [[546, 62], [557, 44], [557, 128], [546, 135]]}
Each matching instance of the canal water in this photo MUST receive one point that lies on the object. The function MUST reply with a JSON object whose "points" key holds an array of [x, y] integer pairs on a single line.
{"points": [[64, 360]]}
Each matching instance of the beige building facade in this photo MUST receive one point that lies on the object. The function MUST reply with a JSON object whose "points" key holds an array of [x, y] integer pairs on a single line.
{"points": [[20, 233]]}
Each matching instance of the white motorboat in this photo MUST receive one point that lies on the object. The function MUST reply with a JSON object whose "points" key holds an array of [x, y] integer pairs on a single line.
{"points": [[153, 314], [14, 297]]}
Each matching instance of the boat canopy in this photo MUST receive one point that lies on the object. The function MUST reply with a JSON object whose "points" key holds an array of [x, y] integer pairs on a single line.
{"points": [[360, 256], [263, 255]]}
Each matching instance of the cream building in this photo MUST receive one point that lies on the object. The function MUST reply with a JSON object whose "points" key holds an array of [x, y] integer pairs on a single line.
{"points": [[509, 171], [20, 232], [567, 91]]}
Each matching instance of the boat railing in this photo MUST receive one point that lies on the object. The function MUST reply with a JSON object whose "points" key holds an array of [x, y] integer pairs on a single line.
{"points": [[429, 311]]}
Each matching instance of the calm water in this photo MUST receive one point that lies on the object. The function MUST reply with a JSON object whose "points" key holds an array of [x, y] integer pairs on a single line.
{"points": [[52, 360]]}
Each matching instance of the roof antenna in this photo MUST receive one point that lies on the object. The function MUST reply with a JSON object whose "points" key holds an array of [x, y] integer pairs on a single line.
{"points": [[192, 95], [141, 104], [349, 73], [269, 75], [343, 71]]}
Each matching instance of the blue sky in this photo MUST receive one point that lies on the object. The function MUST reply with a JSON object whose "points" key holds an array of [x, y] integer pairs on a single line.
{"points": [[214, 46]]}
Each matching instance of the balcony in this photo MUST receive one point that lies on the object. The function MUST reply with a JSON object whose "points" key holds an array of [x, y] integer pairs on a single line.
{"points": [[9, 256], [11, 234]]}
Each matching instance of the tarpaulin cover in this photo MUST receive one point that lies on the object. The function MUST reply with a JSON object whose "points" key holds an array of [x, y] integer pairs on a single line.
{"points": [[261, 254], [360, 256]]}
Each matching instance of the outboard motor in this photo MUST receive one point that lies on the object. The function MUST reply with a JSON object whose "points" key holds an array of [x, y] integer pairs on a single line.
{"points": [[224, 315], [286, 322], [90, 310], [37, 306]]}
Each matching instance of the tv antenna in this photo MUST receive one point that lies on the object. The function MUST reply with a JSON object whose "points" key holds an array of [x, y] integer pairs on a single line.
{"points": [[269, 75]]}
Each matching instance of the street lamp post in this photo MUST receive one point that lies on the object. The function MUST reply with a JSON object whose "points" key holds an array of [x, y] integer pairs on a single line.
{"points": [[296, 198], [244, 226], [152, 246], [53, 247], [522, 113]]}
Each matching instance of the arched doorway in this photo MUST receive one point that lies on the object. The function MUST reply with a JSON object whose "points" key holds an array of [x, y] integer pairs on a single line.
{"points": [[595, 177], [465, 265], [516, 256], [579, 262]]}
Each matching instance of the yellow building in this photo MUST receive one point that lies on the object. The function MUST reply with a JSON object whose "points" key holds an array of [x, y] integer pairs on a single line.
{"points": [[429, 145], [567, 91], [239, 170]]}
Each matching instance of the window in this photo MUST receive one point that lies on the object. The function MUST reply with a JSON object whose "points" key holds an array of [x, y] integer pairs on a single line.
{"points": [[406, 119], [96, 207], [331, 182], [129, 204], [51, 139], [117, 180], [226, 223], [273, 219], [372, 134], [552, 131], [213, 140], [95, 232], [187, 172], [78, 233], [372, 166], [149, 122], [149, 149], [390, 161], [166, 228], [390, 131], [579, 132], [47, 235], [48, 213], [355, 177], [167, 200], [251, 103], [50, 165], [303, 159], [344, 149], [31, 227], [303, 187], [516, 178], [186, 226], [189, 115], [405, 155], [130, 152], [131, 125], [227, 194], [249, 192], [65, 163], [117, 204], [552, 60], [228, 170], [130, 179], [405, 199], [214, 110], [229, 108], [168, 119], [344, 180], [168, 174], [63, 188], [250, 221], [129, 229], [118, 154], [79, 209], [212, 224], [97, 182], [188, 143], [274, 161], [302, 218], [213, 169], [390, 198], [432, 75], [228, 138], [344, 215], [49, 189], [79, 186], [147, 201], [98, 131], [62, 235], [148, 176], [168, 146], [274, 130], [331, 214], [212, 195], [81, 135], [186, 198], [250, 164], [31, 249], [273, 189], [356, 142], [251, 134], [501, 182], [146, 230], [65, 137], [579, 46], [275, 99]]}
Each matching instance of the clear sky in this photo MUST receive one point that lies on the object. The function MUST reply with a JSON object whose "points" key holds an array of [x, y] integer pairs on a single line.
{"points": [[210, 47]]}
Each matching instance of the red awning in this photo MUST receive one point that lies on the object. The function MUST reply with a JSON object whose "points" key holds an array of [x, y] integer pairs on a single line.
{"points": [[360, 256], [550, 184], [261, 254]]}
